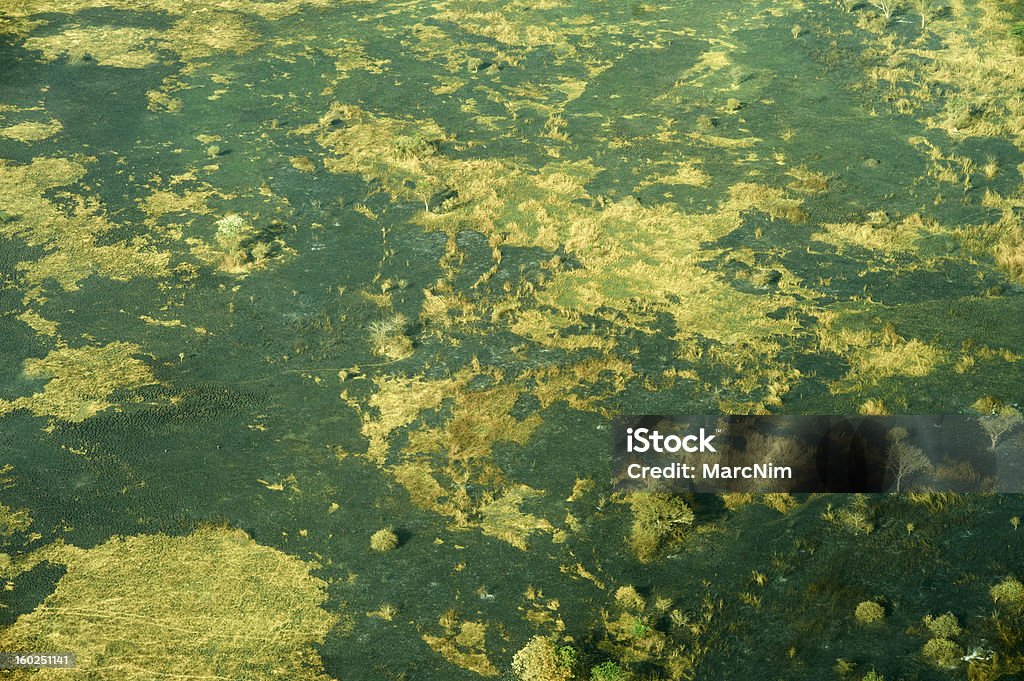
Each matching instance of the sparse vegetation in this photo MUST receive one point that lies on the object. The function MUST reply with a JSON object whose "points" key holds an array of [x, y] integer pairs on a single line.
{"points": [[905, 461], [886, 8], [631, 206], [388, 337]]}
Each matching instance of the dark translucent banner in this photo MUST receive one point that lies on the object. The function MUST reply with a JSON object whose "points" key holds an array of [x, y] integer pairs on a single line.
{"points": [[951, 453]]}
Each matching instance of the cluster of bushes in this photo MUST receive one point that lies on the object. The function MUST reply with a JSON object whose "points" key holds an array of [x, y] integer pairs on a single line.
{"points": [[542, 660], [241, 244]]}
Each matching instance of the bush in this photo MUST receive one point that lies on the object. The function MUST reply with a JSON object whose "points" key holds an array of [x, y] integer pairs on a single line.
{"points": [[1008, 593], [629, 598], [383, 540], [539, 660], [659, 521], [608, 671], [943, 653], [232, 230], [388, 337], [869, 612], [1017, 36], [943, 626], [568, 657]]}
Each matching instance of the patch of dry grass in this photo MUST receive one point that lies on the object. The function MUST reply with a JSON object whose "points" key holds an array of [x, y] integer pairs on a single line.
{"points": [[213, 604], [81, 380]]}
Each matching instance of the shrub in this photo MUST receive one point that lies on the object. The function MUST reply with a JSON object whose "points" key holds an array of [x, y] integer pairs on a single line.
{"points": [[232, 230], [869, 612], [568, 657], [1017, 36], [629, 598], [413, 146], [608, 671], [638, 629], [539, 660], [384, 540], [943, 653], [387, 337], [1006, 419], [659, 520], [872, 676], [1008, 593], [943, 626]]}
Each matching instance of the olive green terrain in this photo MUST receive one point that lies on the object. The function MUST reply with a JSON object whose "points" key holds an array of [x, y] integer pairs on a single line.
{"points": [[314, 313]]}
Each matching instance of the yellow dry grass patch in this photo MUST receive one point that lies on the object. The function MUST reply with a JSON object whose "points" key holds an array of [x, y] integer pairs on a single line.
{"points": [[685, 173], [268, 9], [502, 518], [439, 461], [876, 355], [626, 253], [161, 202], [213, 604], [39, 324], [1009, 254], [398, 402], [12, 521], [883, 235], [725, 142], [32, 131], [122, 47], [68, 236], [464, 645], [576, 383], [81, 380]]}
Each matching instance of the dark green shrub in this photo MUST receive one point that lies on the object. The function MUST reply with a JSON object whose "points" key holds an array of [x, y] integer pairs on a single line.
{"points": [[608, 671], [1017, 35]]}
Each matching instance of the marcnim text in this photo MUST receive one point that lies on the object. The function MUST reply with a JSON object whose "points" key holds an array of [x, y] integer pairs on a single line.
{"points": [[687, 471]]}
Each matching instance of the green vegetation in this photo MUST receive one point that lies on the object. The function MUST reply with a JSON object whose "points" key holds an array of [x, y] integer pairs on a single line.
{"points": [[869, 612], [1017, 34], [384, 540], [943, 626], [608, 671], [541, 660], [943, 653], [300, 266], [1008, 594]]}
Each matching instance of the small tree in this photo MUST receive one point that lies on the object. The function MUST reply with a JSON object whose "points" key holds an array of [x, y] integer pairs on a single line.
{"points": [[997, 425], [905, 460], [924, 9], [885, 7]]}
